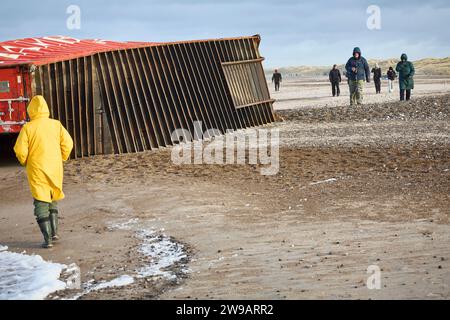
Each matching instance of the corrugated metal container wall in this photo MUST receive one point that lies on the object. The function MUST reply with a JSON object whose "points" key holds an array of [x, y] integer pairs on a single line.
{"points": [[131, 100]]}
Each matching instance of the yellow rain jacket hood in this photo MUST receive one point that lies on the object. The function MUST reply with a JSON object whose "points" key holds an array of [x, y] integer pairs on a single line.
{"points": [[42, 146]]}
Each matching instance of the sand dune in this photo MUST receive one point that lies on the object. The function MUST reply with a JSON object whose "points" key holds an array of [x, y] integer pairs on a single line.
{"points": [[429, 66]]}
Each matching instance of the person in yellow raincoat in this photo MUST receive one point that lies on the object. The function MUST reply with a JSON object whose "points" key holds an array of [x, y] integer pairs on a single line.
{"points": [[42, 146]]}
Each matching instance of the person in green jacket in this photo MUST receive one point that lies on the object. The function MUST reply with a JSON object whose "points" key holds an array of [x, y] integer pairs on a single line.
{"points": [[406, 72]]}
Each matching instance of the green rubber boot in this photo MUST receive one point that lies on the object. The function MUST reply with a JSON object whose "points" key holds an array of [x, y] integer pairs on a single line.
{"points": [[46, 229], [54, 224]]}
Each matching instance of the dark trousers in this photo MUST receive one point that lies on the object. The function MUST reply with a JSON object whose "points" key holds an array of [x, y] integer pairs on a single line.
{"points": [[402, 94], [335, 88], [43, 209], [378, 86], [277, 86]]}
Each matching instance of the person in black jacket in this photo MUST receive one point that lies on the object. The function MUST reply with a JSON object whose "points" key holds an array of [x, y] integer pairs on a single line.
{"points": [[276, 78], [335, 79], [377, 77], [391, 75]]}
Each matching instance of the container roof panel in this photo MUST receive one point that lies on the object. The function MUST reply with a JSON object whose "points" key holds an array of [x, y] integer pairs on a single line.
{"points": [[45, 50]]}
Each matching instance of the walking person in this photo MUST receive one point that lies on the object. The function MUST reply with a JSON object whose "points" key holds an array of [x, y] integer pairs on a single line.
{"points": [[377, 78], [335, 79], [406, 73], [42, 146], [277, 78], [357, 71], [391, 75]]}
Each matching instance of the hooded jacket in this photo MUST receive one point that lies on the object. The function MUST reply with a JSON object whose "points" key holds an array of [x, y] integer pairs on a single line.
{"points": [[391, 74], [42, 146], [361, 65], [406, 72], [334, 76]]}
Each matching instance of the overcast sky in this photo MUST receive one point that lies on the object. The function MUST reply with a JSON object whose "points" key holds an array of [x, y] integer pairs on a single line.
{"points": [[293, 32]]}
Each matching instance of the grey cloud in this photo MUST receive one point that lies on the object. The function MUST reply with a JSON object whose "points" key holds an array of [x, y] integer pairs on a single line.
{"points": [[294, 32]]}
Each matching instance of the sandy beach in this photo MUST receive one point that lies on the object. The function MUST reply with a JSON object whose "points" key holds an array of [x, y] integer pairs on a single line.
{"points": [[356, 187]]}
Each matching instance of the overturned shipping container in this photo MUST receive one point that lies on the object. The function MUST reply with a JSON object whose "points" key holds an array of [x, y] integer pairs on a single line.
{"points": [[119, 97]]}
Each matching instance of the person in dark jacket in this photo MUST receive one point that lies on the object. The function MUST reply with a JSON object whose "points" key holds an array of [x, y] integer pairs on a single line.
{"points": [[391, 75], [357, 71], [276, 78], [377, 78], [406, 73], [335, 79]]}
